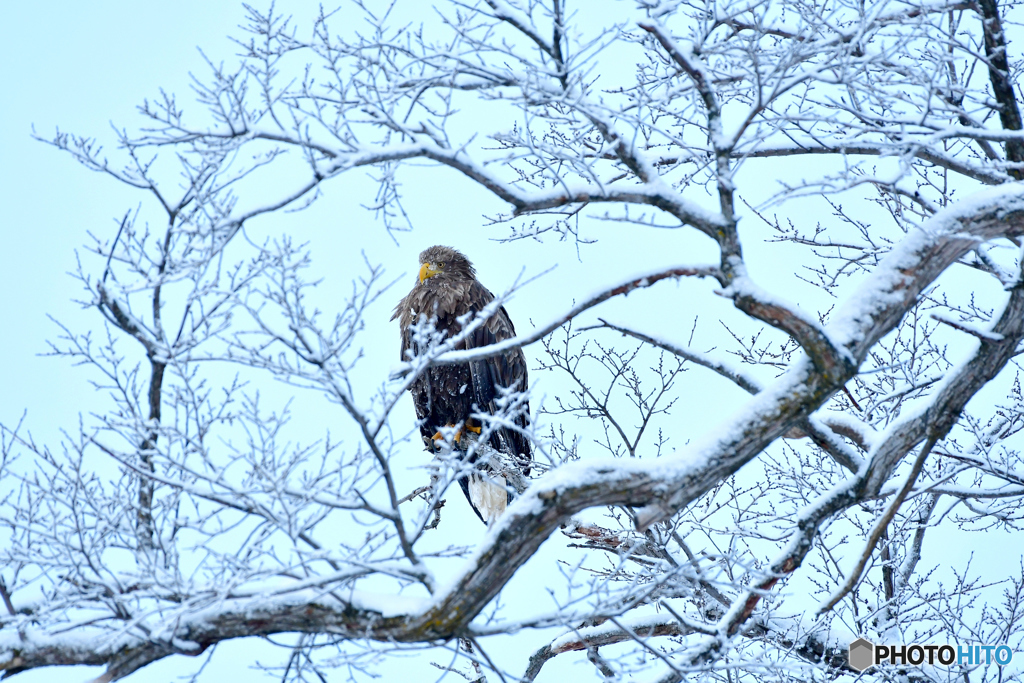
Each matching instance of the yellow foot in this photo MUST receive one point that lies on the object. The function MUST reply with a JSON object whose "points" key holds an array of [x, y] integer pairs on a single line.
{"points": [[438, 436], [458, 434]]}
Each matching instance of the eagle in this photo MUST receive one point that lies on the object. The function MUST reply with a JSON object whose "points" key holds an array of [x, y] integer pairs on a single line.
{"points": [[448, 294]]}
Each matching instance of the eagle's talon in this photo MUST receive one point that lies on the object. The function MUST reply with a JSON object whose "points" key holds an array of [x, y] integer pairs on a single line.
{"points": [[438, 436]]}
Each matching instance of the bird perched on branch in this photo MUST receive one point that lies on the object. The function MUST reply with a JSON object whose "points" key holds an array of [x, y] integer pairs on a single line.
{"points": [[448, 294]]}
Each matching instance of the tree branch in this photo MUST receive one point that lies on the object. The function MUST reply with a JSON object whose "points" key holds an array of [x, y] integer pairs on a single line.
{"points": [[1002, 86], [447, 357]]}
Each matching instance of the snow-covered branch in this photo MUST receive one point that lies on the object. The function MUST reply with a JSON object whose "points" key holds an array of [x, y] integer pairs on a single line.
{"points": [[246, 466]]}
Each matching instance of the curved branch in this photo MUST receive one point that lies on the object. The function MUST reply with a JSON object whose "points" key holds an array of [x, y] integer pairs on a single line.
{"points": [[982, 175], [449, 357], [654, 193]]}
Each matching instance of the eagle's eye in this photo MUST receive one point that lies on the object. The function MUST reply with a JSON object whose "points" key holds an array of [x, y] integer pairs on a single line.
{"points": [[440, 264]]}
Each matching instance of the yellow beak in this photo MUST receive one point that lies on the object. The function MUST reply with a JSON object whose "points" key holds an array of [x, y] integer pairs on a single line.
{"points": [[427, 270]]}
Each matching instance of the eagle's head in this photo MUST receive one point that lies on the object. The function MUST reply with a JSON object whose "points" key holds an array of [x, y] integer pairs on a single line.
{"points": [[445, 261]]}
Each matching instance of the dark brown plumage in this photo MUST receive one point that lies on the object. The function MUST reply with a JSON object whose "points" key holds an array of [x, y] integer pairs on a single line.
{"points": [[447, 395]]}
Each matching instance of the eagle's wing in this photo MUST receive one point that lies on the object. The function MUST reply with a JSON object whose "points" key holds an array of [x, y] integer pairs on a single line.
{"points": [[506, 370], [423, 388]]}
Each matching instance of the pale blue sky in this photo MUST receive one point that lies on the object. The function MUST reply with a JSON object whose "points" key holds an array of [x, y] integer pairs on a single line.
{"points": [[80, 66]]}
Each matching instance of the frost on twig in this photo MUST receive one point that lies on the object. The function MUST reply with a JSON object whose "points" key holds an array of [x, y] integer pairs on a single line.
{"points": [[823, 199]]}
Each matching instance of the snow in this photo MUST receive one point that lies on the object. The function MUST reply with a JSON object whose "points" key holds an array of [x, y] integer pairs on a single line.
{"points": [[867, 433], [849, 326], [79, 635], [891, 280], [388, 605], [638, 281], [632, 622], [744, 286], [985, 334]]}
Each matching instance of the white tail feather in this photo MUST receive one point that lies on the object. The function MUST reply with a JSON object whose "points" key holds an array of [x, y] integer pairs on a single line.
{"points": [[489, 496]]}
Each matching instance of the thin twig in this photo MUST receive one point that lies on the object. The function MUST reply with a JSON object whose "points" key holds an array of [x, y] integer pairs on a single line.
{"points": [[880, 528]]}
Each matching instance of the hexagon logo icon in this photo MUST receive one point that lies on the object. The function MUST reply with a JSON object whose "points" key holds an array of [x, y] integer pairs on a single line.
{"points": [[862, 654]]}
